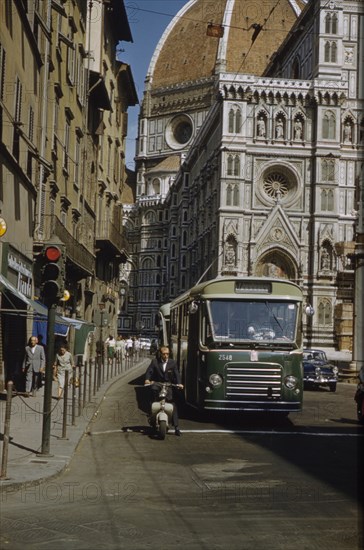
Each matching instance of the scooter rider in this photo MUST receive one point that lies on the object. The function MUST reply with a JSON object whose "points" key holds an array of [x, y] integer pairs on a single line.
{"points": [[164, 369]]}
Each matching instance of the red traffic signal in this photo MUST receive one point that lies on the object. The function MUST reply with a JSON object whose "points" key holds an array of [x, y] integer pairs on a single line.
{"points": [[52, 253], [53, 273]]}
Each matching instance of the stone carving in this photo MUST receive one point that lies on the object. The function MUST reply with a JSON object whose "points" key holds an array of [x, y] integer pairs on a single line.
{"points": [[261, 127]]}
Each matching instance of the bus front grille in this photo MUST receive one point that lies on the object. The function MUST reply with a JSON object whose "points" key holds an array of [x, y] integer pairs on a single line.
{"points": [[251, 381]]}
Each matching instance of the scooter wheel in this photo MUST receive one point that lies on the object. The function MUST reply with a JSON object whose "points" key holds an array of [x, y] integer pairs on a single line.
{"points": [[162, 429]]}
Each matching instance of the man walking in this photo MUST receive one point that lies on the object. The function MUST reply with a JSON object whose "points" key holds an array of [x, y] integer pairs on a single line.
{"points": [[33, 365]]}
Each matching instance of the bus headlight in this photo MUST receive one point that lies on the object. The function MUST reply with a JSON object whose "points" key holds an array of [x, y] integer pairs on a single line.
{"points": [[290, 382], [215, 380]]}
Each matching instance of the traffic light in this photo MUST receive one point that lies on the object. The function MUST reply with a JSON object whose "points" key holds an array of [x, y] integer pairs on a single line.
{"points": [[53, 273]]}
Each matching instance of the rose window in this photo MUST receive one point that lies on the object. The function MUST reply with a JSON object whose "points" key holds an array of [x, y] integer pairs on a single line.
{"points": [[275, 185]]}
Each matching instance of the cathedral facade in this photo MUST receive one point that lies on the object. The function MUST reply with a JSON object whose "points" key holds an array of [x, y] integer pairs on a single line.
{"points": [[250, 146]]}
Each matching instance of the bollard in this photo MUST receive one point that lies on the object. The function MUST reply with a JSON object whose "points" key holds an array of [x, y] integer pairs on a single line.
{"points": [[73, 403], [95, 375], [4, 460], [65, 398], [84, 384], [79, 402], [90, 363]]}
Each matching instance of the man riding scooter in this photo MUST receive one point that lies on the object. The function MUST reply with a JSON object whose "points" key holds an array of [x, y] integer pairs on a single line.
{"points": [[164, 369]]}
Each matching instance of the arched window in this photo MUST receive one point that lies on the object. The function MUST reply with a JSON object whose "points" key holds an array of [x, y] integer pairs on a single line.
{"points": [[330, 52], [184, 238], [327, 23], [238, 122], [156, 186], [236, 165], [328, 170], [236, 196], [329, 125], [334, 24], [324, 312], [331, 23], [327, 52], [327, 200], [230, 161], [231, 120], [228, 195]]}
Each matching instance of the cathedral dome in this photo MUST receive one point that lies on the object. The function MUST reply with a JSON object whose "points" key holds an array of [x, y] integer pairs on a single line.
{"points": [[251, 33]]}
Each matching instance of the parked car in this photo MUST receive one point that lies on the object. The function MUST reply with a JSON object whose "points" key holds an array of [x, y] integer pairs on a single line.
{"points": [[317, 370], [145, 343]]}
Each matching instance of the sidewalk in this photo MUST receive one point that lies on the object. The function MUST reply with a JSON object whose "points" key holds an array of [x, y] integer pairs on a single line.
{"points": [[25, 466]]}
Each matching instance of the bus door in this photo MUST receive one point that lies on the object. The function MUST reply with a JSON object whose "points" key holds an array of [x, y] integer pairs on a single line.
{"points": [[192, 368]]}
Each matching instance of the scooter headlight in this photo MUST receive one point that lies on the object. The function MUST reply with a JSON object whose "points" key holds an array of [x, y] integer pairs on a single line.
{"points": [[215, 380], [163, 393]]}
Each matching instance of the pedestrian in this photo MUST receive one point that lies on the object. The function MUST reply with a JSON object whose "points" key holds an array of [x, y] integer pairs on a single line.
{"points": [[110, 344], [164, 369], [129, 347], [119, 347], [63, 362], [33, 365]]}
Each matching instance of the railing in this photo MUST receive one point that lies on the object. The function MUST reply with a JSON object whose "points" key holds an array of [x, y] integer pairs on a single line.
{"points": [[106, 231], [76, 251]]}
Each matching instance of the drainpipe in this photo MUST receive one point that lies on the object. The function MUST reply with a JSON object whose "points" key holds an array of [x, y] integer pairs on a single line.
{"points": [[39, 228]]}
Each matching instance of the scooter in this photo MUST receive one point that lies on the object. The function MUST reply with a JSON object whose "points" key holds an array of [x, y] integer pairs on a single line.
{"points": [[162, 410]]}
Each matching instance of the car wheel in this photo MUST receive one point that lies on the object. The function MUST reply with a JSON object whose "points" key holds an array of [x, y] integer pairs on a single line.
{"points": [[333, 387]]}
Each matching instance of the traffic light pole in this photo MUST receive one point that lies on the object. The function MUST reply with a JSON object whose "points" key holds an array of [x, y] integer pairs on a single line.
{"points": [[47, 403]]}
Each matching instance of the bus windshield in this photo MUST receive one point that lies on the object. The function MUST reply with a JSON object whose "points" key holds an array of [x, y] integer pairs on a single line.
{"points": [[251, 320]]}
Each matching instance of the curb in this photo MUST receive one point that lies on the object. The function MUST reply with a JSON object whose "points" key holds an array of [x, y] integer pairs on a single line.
{"points": [[8, 485]]}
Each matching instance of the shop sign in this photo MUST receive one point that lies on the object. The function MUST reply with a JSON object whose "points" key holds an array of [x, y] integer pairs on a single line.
{"points": [[24, 275]]}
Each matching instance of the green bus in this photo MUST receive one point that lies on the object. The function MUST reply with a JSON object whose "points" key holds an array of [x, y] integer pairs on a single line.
{"points": [[238, 344]]}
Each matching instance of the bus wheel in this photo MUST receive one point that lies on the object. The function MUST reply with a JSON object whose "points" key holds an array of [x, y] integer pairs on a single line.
{"points": [[162, 429]]}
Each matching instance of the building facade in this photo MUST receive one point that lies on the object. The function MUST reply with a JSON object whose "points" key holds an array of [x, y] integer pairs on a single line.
{"points": [[63, 122], [261, 126]]}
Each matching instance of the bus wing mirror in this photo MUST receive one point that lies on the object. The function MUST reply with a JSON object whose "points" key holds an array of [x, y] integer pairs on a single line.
{"points": [[193, 308]]}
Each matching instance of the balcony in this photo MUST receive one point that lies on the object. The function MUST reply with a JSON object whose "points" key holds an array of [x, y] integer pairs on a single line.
{"points": [[108, 235], [80, 258]]}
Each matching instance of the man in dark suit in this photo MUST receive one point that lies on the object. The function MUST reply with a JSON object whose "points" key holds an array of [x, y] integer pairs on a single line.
{"points": [[33, 364], [164, 369]]}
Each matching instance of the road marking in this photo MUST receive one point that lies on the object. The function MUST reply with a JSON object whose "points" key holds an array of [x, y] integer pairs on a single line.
{"points": [[268, 432], [245, 432]]}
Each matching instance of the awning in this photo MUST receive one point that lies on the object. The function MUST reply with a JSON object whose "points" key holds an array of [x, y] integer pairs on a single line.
{"points": [[6, 286], [83, 329], [62, 324], [61, 328]]}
